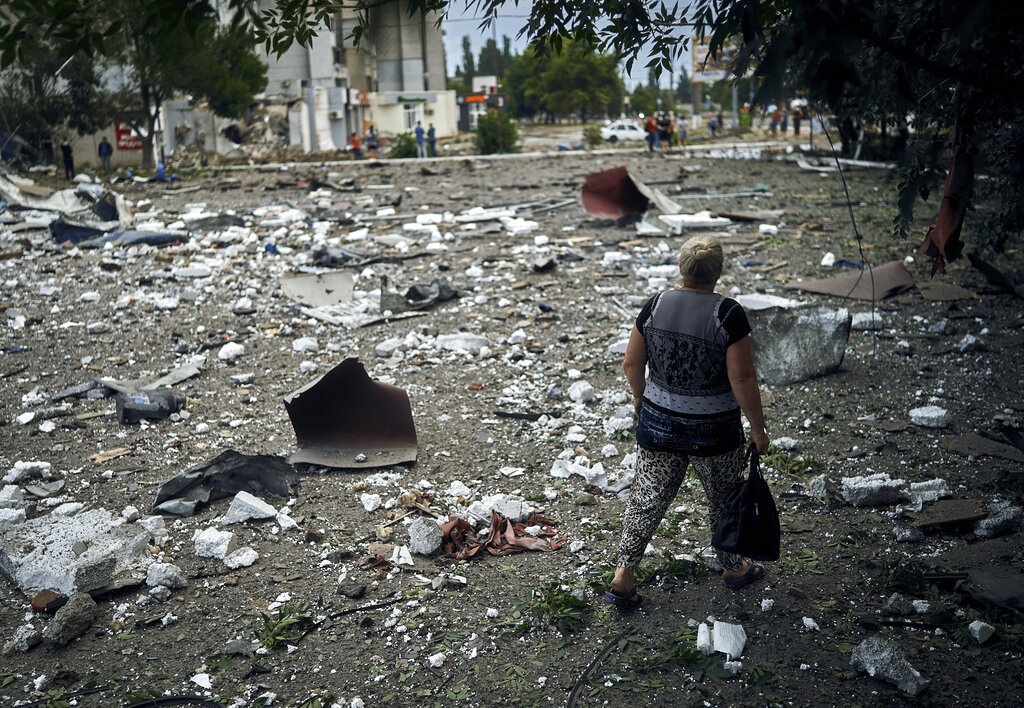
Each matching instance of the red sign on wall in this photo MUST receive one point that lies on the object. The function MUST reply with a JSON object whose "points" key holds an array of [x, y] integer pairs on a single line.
{"points": [[127, 139]]}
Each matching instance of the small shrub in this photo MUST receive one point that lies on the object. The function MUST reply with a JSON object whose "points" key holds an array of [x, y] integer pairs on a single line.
{"points": [[404, 145], [592, 135], [487, 134]]}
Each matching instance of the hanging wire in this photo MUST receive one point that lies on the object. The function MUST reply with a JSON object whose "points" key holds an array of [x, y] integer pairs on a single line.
{"points": [[856, 233]]}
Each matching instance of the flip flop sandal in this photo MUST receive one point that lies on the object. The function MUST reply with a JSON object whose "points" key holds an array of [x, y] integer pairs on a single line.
{"points": [[623, 603], [755, 571]]}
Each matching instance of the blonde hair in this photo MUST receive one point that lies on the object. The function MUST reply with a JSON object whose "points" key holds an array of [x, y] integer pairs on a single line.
{"points": [[700, 260]]}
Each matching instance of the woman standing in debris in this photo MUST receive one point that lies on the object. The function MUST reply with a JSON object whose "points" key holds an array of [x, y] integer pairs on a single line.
{"points": [[696, 345]]}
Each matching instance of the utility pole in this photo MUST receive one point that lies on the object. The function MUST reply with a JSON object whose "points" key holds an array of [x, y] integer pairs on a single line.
{"points": [[497, 82]]}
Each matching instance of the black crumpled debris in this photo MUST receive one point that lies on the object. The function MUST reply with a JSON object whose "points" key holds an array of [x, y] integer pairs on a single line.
{"points": [[226, 475]]}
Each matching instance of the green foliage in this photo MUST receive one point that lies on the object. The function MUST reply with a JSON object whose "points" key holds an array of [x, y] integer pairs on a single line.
{"points": [[487, 142], [785, 463], [592, 135], [289, 624], [574, 80], [549, 606], [404, 145]]}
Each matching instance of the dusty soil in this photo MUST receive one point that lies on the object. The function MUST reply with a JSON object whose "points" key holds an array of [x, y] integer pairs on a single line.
{"points": [[839, 564]]}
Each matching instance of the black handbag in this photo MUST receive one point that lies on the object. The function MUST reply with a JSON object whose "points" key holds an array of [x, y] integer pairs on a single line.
{"points": [[749, 522]]}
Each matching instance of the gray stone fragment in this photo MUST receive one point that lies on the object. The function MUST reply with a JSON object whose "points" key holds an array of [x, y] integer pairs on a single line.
{"points": [[462, 342], [585, 499], [872, 490], [178, 507], [1004, 517], [554, 393], [866, 321], [213, 543], [246, 506], [242, 558], [352, 589], [25, 637], [238, 647], [908, 534], [899, 606], [981, 631], [71, 621], [797, 344], [12, 516], [161, 593], [581, 392], [883, 660], [425, 536], [818, 486], [166, 574], [930, 417]]}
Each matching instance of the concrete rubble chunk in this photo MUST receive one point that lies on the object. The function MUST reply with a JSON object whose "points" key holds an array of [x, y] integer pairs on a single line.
{"points": [[899, 606], [165, 574], [245, 507], [26, 637], [462, 342], [797, 344], [425, 536], [27, 469], [581, 392], [729, 639], [866, 321], [887, 662], [178, 507], [928, 491], [41, 553], [156, 528], [242, 558], [981, 631], [872, 490], [213, 543], [71, 621], [930, 417], [231, 351], [704, 643], [510, 506], [1003, 517], [12, 516]]}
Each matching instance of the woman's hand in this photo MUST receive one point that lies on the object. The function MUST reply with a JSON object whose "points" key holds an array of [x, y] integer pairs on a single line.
{"points": [[637, 400], [761, 440]]}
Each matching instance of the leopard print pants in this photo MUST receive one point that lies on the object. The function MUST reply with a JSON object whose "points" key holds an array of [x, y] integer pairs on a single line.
{"points": [[657, 479]]}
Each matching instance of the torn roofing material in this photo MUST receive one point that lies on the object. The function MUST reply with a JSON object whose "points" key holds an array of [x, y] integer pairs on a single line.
{"points": [[877, 283], [346, 419], [226, 475], [318, 289], [615, 194]]}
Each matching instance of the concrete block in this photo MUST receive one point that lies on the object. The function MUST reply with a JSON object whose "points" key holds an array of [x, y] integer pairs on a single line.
{"points": [[872, 490], [213, 543], [425, 536], [11, 516], [887, 662], [581, 392], [41, 554], [246, 506], [509, 506], [704, 644], [796, 344], [25, 637], [462, 342]]}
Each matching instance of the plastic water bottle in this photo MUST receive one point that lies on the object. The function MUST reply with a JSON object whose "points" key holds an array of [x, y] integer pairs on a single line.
{"points": [[155, 405]]}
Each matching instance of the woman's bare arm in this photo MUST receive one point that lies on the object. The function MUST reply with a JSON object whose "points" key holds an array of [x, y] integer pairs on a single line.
{"points": [[740, 364], [634, 364]]}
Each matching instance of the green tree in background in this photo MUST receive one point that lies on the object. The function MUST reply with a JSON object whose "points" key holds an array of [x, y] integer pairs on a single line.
{"points": [[684, 87], [575, 80], [468, 71], [487, 142]]}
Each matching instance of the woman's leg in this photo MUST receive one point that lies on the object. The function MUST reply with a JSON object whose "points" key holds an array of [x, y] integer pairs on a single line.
{"points": [[657, 479], [719, 475]]}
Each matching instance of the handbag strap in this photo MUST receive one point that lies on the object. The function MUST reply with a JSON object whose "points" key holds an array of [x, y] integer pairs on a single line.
{"points": [[755, 461]]}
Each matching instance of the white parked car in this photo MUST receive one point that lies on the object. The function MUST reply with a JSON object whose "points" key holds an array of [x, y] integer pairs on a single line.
{"points": [[622, 130]]}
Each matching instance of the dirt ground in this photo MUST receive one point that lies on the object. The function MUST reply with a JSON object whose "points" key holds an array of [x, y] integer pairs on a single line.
{"points": [[498, 631]]}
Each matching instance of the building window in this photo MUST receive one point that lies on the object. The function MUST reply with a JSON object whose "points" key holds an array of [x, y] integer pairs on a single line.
{"points": [[411, 113]]}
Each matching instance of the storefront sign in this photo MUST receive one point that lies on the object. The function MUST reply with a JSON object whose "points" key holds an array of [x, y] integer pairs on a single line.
{"points": [[127, 139], [410, 97]]}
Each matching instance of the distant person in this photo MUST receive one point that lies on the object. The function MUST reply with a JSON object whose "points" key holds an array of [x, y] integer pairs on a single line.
{"points": [[784, 125], [902, 136], [662, 130], [421, 145], [775, 118], [712, 125], [684, 131], [432, 140], [652, 131], [105, 150], [671, 130], [720, 122], [69, 159], [357, 153], [372, 143], [798, 114]]}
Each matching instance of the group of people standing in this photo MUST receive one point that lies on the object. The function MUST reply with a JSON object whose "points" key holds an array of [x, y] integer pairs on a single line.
{"points": [[424, 139], [779, 119], [105, 150], [663, 131]]}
